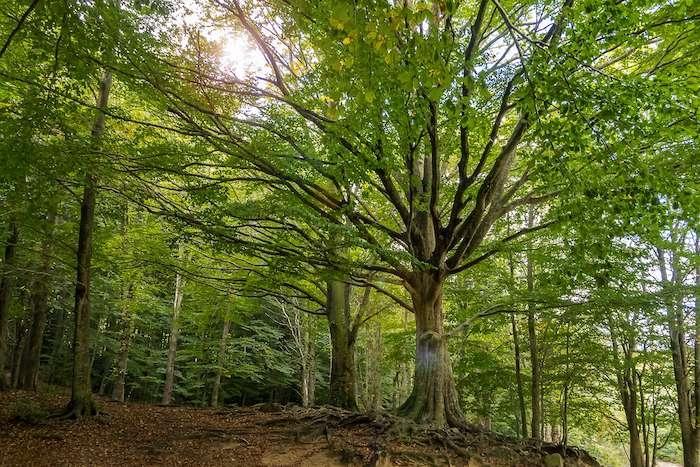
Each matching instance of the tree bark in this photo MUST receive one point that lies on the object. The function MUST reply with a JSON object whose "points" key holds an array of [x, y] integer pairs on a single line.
{"points": [[434, 399], [220, 364], [522, 426], [29, 369], [6, 284], [81, 402], [696, 355], [21, 335], [625, 374], [172, 340], [680, 366], [373, 374], [308, 367], [342, 390]]}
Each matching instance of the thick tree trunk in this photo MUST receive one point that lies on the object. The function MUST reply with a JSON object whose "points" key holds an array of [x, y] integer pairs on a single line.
{"points": [[6, 284], [29, 369], [522, 426], [220, 364], [434, 399], [342, 391], [172, 340], [81, 402]]}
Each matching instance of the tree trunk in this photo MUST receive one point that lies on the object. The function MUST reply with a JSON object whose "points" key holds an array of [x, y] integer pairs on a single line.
{"points": [[29, 369], [373, 374], [643, 417], [118, 391], [21, 335], [57, 344], [636, 452], [680, 366], [696, 355], [172, 340], [627, 385], [308, 367], [6, 284], [81, 402], [342, 391], [536, 415], [220, 364], [434, 399], [522, 426]]}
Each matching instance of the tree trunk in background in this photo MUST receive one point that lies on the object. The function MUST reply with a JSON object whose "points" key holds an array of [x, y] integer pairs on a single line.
{"points": [[82, 403], [122, 363], [21, 335], [536, 413], [342, 390], [696, 354], [680, 363], [220, 364], [643, 417], [402, 384], [535, 392], [308, 366], [172, 340], [522, 426], [29, 369], [627, 387], [434, 399], [57, 344], [371, 393], [6, 284], [374, 370]]}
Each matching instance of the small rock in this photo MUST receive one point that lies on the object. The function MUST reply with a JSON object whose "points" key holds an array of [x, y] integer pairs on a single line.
{"points": [[553, 460]]}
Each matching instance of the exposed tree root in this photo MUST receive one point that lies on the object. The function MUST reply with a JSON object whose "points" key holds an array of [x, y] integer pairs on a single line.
{"points": [[392, 435], [78, 409]]}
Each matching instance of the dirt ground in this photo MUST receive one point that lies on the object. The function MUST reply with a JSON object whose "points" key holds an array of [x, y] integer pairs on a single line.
{"points": [[265, 435]]}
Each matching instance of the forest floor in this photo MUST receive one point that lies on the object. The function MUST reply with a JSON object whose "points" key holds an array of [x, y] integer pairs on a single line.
{"points": [[266, 435]]}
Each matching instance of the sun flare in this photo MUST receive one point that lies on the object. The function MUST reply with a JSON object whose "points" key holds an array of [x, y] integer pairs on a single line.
{"points": [[240, 56]]}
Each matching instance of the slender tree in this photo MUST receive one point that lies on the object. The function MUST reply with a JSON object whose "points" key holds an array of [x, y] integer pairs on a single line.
{"points": [[172, 338], [81, 402]]}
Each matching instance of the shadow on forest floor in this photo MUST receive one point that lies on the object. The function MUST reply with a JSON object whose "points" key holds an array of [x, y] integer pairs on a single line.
{"points": [[270, 434]]}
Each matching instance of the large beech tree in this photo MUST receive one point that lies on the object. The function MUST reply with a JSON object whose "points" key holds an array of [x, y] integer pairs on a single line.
{"points": [[405, 131]]}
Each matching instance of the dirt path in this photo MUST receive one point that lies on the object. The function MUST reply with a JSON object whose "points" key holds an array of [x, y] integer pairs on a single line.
{"points": [[133, 434]]}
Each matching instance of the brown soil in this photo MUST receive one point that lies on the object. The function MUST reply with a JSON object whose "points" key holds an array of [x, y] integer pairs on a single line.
{"points": [[266, 435]]}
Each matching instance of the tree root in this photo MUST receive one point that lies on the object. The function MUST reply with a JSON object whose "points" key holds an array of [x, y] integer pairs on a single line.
{"points": [[76, 410], [391, 437]]}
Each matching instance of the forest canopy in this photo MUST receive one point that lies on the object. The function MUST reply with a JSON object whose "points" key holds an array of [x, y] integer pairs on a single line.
{"points": [[462, 212]]}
